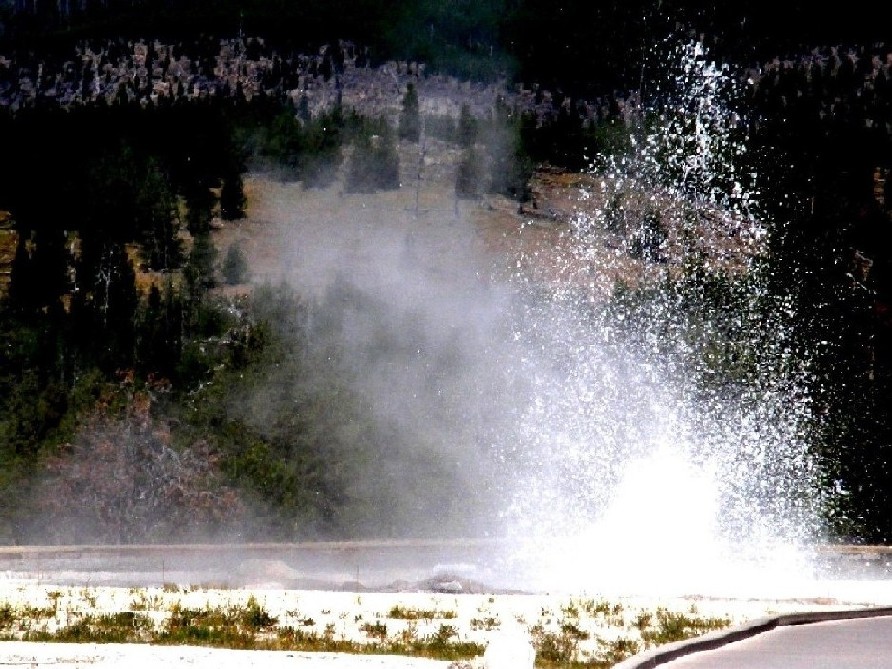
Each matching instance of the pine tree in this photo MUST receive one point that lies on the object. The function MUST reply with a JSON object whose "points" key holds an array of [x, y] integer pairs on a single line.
{"points": [[468, 175], [159, 332], [199, 206], [21, 295], [104, 305], [49, 267], [303, 108], [232, 197], [321, 156], [200, 269], [122, 301], [375, 164], [467, 128], [235, 265], [157, 223], [410, 120]]}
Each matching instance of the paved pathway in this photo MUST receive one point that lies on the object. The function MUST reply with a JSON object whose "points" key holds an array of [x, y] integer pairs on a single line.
{"points": [[840, 644]]}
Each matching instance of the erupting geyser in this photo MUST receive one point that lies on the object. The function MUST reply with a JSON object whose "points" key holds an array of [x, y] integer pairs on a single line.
{"points": [[664, 446], [626, 407]]}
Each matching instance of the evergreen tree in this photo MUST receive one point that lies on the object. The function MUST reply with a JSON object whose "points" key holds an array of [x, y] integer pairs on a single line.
{"points": [[410, 120], [375, 164], [120, 308], [156, 220], [159, 332], [199, 271], [21, 297], [468, 175], [199, 208], [510, 165], [467, 128], [110, 195], [49, 267], [283, 142], [321, 149], [303, 108], [232, 197], [235, 265], [104, 307]]}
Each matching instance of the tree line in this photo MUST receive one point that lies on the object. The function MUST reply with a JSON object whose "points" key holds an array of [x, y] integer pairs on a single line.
{"points": [[117, 351]]}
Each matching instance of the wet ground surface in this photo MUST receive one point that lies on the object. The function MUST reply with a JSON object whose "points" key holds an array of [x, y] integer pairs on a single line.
{"points": [[461, 565], [388, 566]]}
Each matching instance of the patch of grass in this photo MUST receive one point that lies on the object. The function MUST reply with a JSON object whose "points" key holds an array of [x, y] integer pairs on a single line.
{"points": [[143, 602], [574, 632], [374, 631], [403, 613], [7, 615], [255, 617], [440, 645], [673, 626], [123, 627], [565, 640], [290, 638], [553, 649], [487, 624], [618, 650], [602, 607], [248, 627], [233, 627], [35, 613], [571, 610], [643, 620], [89, 597], [561, 650]]}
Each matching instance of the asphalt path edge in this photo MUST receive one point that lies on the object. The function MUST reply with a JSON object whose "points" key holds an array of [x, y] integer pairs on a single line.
{"points": [[663, 654]]}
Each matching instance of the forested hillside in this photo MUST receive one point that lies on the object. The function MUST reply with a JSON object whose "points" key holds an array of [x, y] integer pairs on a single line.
{"points": [[127, 377]]}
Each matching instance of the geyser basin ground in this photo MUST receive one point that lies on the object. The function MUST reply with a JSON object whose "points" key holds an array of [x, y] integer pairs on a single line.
{"points": [[590, 625]]}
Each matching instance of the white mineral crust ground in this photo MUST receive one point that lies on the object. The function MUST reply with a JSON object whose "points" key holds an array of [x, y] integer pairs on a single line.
{"points": [[347, 611]]}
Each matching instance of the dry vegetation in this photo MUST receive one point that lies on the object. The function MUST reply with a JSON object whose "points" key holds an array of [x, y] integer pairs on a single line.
{"points": [[8, 241], [539, 239], [569, 631], [566, 631]]}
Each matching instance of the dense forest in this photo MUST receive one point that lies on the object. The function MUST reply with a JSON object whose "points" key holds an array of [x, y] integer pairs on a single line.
{"points": [[579, 47], [118, 351], [106, 378]]}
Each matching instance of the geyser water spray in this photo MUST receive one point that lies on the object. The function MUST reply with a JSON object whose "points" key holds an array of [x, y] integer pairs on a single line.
{"points": [[665, 441]]}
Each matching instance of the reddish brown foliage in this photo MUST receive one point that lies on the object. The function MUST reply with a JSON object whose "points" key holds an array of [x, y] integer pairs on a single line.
{"points": [[122, 481]]}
